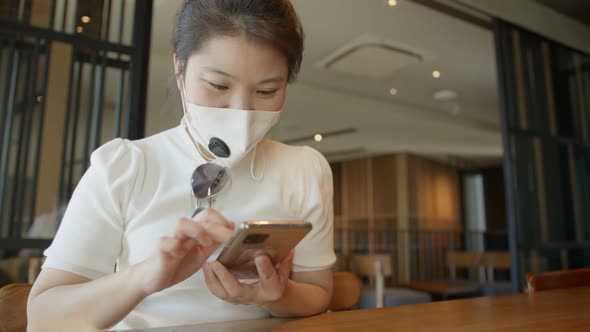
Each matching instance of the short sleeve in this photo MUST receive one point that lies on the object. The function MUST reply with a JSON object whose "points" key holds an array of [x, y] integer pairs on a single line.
{"points": [[89, 239], [316, 251]]}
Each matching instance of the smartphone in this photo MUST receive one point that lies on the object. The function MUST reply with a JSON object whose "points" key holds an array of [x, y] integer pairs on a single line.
{"points": [[273, 238]]}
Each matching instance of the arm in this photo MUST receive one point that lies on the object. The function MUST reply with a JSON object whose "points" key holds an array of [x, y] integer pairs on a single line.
{"points": [[101, 303], [98, 304], [306, 294]]}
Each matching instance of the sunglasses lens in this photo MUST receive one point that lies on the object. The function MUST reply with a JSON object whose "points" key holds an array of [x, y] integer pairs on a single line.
{"points": [[208, 179]]}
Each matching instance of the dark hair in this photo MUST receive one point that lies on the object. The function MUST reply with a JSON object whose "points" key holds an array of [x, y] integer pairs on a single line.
{"points": [[272, 22]]}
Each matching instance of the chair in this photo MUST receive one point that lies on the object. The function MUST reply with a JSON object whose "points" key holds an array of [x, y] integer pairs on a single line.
{"points": [[496, 260], [377, 268], [470, 261], [34, 269], [346, 291], [21, 269], [13, 307], [558, 279], [442, 290]]}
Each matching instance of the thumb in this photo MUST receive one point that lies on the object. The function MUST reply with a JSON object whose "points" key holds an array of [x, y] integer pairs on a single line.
{"points": [[284, 269]]}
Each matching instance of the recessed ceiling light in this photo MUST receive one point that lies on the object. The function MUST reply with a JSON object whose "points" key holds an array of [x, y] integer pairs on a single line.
{"points": [[85, 19], [445, 95], [393, 91], [79, 29], [436, 74], [392, 3], [318, 137]]}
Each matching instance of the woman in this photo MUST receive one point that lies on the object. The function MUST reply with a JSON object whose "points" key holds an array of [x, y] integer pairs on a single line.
{"points": [[125, 257]]}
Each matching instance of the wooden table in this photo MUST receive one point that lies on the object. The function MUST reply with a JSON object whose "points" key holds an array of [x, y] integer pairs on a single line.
{"points": [[229, 326], [558, 310], [446, 290]]}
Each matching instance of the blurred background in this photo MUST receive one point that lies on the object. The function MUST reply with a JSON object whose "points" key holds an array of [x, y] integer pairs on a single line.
{"points": [[458, 131]]}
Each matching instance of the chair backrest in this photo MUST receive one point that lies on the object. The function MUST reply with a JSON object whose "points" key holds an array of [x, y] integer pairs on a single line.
{"points": [[34, 269], [377, 268], [463, 260], [372, 265], [558, 279], [495, 260], [346, 291], [13, 307]]}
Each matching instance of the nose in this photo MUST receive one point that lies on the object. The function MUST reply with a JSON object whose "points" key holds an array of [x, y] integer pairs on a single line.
{"points": [[242, 101]]}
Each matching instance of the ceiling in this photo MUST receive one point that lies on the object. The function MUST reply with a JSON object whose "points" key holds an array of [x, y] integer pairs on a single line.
{"points": [[579, 10], [323, 100]]}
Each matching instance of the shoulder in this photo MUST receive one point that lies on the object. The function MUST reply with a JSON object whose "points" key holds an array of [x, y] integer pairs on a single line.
{"points": [[297, 158], [114, 152], [289, 153], [118, 164], [122, 150], [157, 142]]}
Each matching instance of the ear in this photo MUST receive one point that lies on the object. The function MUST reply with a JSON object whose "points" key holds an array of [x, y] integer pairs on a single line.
{"points": [[178, 71]]}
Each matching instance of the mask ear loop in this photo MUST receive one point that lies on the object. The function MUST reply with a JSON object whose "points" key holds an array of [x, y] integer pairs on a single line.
{"points": [[184, 102], [252, 173], [185, 122]]}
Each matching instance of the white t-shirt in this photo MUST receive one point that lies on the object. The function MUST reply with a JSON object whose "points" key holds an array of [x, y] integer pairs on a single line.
{"points": [[136, 191]]}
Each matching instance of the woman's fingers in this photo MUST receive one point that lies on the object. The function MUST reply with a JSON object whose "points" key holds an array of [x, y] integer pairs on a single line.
{"points": [[208, 226], [271, 285], [272, 280], [228, 280], [184, 252], [171, 246], [219, 233], [190, 235], [214, 284], [187, 228], [284, 269], [210, 216], [266, 270]]}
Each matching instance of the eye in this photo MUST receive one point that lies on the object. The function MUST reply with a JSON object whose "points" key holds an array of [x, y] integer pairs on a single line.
{"points": [[267, 92], [218, 86]]}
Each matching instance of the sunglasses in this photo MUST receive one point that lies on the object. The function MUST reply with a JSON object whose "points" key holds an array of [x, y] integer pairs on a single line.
{"points": [[207, 181]]}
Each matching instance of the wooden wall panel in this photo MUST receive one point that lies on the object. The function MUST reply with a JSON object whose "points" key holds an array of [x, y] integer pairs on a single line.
{"points": [[435, 197], [384, 218], [403, 243], [422, 183], [447, 198], [355, 205], [355, 174], [337, 182], [435, 208], [375, 198], [384, 186]]}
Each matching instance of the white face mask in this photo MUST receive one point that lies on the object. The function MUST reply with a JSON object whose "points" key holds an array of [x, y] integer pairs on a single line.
{"points": [[229, 134]]}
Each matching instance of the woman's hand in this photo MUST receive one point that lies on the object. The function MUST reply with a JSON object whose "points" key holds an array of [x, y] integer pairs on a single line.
{"points": [[270, 287], [183, 253]]}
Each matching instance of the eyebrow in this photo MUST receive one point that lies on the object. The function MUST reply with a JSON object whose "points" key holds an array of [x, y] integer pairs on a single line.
{"points": [[272, 80], [222, 73]]}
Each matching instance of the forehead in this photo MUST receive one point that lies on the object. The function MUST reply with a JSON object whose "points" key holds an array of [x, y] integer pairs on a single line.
{"points": [[238, 55]]}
